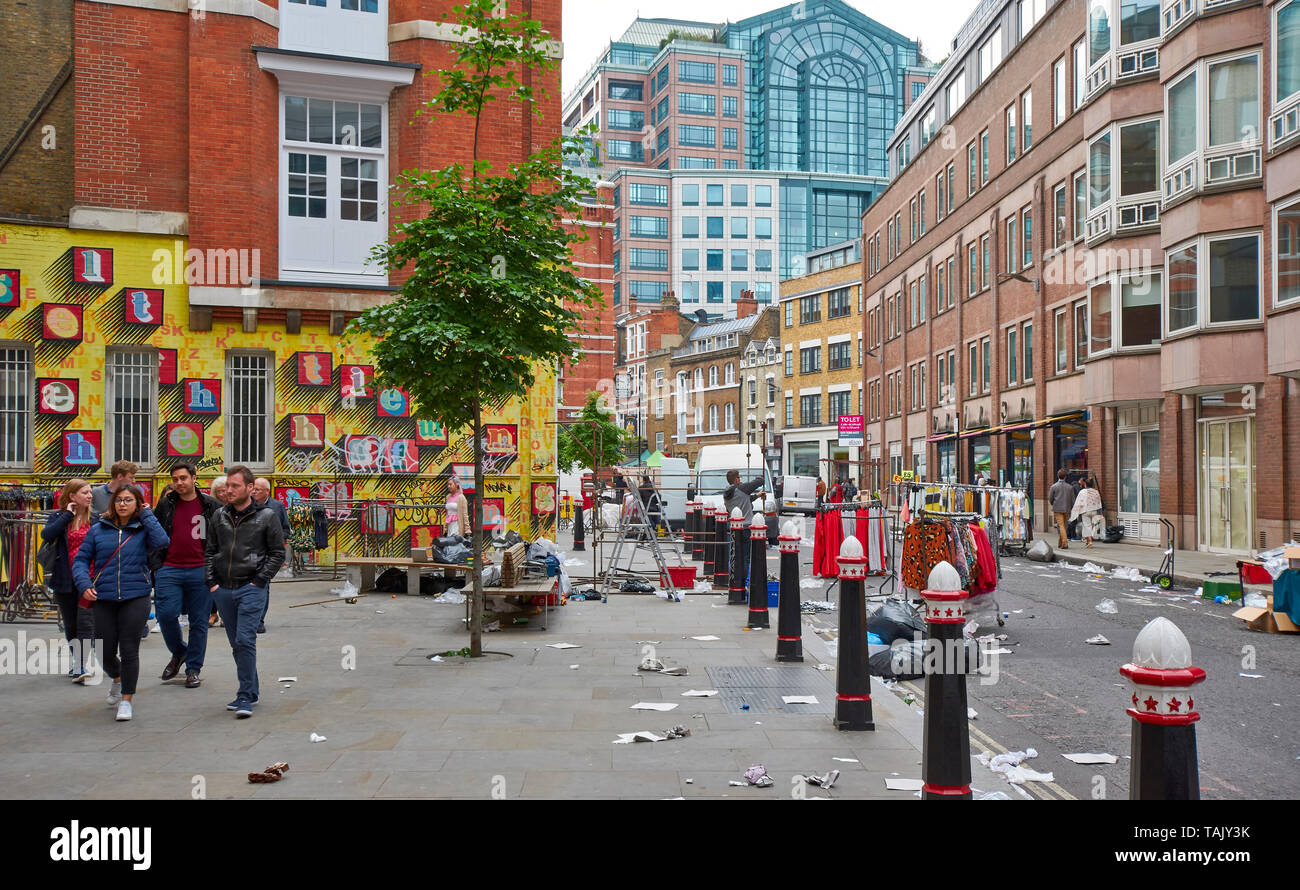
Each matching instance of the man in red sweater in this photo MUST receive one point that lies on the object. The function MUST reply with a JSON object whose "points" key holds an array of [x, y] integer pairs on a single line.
{"points": [[179, 586]]}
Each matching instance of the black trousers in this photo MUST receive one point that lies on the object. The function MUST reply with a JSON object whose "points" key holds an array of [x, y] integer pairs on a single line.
{"points": [[78, 623], [120, 624]]}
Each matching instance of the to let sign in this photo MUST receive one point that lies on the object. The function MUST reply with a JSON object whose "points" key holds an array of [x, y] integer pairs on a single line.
{"points": [[851, 430]]}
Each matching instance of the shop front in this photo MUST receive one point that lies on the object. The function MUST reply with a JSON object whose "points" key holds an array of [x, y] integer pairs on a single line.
{"points": [[805, 458], [1070, 436], [1020, 459], [945, 456], [1226, 473], [1137, 452], [980, 452]]}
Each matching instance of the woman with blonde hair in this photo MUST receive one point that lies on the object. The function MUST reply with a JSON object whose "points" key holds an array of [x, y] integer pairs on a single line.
{"points": [[457, 510], [66, 527]]}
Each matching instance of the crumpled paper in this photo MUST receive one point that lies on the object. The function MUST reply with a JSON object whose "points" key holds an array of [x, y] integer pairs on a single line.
{"points": [[757, 775]]}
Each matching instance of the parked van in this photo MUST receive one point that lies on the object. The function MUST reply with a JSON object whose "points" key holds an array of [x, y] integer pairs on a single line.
{"points": [[799, 495], [671, 478], [711, 466]]}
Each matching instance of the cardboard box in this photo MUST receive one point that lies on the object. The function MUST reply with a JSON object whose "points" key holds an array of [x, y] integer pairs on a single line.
{"points": [[421, 554], [1267, 620]]}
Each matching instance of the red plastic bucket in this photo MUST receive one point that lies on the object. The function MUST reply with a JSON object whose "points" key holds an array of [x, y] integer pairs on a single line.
{"points": [[683, 577]]}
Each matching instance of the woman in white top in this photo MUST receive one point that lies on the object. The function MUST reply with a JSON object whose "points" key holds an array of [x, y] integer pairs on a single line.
{"points": [[1088, 505], [457, 510]]}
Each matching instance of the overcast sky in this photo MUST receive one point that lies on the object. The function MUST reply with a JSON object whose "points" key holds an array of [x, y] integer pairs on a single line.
{"points": [[590, 24]]}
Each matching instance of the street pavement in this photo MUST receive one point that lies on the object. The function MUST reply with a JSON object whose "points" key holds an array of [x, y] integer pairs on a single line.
{"points": [[524, 723], [520, 723]]}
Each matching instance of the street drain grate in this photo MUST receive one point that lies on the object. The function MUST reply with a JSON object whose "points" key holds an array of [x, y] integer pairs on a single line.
{"points": [[763, 688]]}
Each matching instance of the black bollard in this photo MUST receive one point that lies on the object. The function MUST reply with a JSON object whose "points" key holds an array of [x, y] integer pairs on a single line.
{"points": [[945, 757], [739, 558], [789, 623], [1163, 751], [705, 540], [692, 526], [853, 686], [758, 573], [721, 549], [579, 533]]}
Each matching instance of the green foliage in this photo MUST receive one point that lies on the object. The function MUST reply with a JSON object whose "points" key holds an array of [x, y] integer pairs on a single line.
{"points": [[594, 439], [490, 264]]}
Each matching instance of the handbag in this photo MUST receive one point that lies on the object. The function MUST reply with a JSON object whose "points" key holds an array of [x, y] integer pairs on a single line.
{"points": [[85, 603], [47, 557]]}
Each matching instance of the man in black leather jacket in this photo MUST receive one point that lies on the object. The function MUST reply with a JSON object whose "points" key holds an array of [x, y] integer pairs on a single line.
{"points": [[245, 549]]}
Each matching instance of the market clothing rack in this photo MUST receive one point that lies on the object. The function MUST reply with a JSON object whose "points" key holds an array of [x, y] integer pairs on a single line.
{"points": [[23, 593], [877, 542]]}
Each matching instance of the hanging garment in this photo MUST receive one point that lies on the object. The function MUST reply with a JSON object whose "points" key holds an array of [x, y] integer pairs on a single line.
{"points": [[988, 567], [957, 556], [871, 533], [925, 545]]}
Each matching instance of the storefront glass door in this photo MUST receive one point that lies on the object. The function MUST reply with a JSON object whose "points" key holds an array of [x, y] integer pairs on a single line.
{"points": [[1139, 484], [1227, 495]]}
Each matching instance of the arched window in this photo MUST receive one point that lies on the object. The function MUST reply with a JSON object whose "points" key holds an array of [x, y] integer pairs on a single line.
{"points": [[699, 379], [713, 418], [713, 375], [730, 416], [731, 373]]}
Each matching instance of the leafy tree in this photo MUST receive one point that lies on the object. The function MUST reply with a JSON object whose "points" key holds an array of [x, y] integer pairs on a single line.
{"points": [[594, 439], [493, 294]]}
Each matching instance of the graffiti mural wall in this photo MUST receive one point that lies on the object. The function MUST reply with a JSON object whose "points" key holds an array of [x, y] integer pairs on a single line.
{"points": [[96, 363]]}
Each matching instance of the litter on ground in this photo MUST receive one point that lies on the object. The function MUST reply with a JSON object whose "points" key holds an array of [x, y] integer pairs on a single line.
{"points": [[1008, 766], [318, 738], [707, 638], [903, 784], [699, 693], [800, 699], [1107, 607], [563, 646], [757, 775], [654, 706], [1098, 640], [1091, 758], [1251, 676]]}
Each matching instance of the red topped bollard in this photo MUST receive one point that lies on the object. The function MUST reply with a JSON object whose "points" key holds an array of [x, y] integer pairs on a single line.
{"points": [[945, 757], [758, 617], [1161, 703], [721, 546], [739, 559], [789, 622], [853, 680]]}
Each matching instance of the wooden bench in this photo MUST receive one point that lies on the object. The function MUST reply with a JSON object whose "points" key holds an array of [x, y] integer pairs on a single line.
{"points": [[361, 570]]}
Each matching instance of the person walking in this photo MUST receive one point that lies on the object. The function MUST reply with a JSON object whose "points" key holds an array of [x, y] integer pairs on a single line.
{"points": [[1061, 497], [218, 491], [262, 497], [458, 509], [1087, 507], [820, 492], [66, 528], [184, 514], [245, 549], [112, 571], [121, 474]]}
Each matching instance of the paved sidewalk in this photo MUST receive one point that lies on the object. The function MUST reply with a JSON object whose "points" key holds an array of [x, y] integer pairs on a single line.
{"points": [[1191, 567]]}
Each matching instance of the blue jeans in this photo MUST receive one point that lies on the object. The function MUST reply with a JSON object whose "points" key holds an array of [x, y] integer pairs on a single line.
{"points": [[178, 590], [241, 611]]}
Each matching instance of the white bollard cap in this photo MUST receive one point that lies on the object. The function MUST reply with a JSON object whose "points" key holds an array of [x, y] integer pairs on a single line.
{"points": [[759, 520], [943, 577], [789, 530], [851, 548], [736, 514], [1162, 645]]}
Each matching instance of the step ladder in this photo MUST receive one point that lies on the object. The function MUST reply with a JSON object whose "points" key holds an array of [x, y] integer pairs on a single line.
{"points": [[628, 538]]}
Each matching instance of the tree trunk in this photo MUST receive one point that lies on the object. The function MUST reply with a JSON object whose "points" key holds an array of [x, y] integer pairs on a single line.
{"points": [[476, 603]]}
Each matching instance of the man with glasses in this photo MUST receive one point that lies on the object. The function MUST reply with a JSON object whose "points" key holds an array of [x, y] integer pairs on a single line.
{"points": [[245, 549], [184, 513]]}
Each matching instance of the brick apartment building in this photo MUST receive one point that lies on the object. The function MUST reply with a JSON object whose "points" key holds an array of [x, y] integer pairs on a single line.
{"points": [[187, 204], [821, 342], [1092, 249], [642, 332]]}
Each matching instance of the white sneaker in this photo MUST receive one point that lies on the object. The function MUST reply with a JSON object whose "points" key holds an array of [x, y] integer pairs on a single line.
{"points": [[123, 710], [115, 694]]}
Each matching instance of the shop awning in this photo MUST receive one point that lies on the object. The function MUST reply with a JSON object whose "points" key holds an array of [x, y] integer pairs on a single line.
{"points": [[1016, 427], [942, 437], [970, 434], [1060, 418]]}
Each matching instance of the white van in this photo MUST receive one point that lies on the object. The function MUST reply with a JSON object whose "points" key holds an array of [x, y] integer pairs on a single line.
{"points": [[711, 466], [799, 495]]}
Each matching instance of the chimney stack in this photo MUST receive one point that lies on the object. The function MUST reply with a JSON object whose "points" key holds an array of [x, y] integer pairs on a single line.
{"points": [[746, 305]]}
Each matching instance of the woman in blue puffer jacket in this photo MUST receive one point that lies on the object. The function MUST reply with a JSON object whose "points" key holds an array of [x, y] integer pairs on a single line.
{"points": [[112, 571]]}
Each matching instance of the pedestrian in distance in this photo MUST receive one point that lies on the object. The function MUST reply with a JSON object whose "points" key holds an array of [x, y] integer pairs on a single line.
{"points": [[121, 474], [112, 572], [218, 491], [820, 492], [458, 509], [244, 551], [1061, 497], [184, 514], [1087, 508], [741, 494], [262, 497], [66, 528]]}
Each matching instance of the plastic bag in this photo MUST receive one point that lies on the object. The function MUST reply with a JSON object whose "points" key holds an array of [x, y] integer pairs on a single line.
{"points": [[346, 590], [896, 620], [1108, 607], [902, 661], [1040, 551], [453, 554]]}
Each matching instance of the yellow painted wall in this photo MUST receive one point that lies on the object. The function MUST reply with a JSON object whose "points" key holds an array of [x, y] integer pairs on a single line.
{"points": [[39, 269]]}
